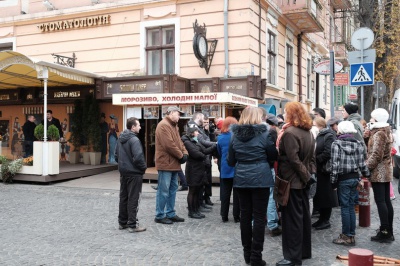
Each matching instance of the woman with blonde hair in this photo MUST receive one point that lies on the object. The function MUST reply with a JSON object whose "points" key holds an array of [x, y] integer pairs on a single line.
{"points": [[296, 163], [252, 153]]}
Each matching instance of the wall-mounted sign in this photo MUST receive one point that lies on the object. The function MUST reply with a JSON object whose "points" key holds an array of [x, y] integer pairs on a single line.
{"points": [[185, 98], [323, 67], [341, 79], [75, 23]]}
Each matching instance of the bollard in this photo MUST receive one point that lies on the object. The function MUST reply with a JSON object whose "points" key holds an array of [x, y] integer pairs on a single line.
{"points": [[365, 204], [361, 257]]}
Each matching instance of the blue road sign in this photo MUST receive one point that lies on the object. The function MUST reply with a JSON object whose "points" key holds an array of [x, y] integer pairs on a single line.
{"points": [[362, 74]]}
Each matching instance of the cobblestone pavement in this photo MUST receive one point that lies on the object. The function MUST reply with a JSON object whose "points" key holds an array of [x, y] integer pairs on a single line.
{"points": [[61, 225]]}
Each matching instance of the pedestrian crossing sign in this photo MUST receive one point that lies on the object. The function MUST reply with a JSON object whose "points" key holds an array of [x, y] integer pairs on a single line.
{"points": [[362, 74]]}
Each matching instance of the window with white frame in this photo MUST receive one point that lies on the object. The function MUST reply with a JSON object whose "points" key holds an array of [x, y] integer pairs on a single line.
{"points": [[271, 58], [160, 50], [7, 44], [289, 67]]}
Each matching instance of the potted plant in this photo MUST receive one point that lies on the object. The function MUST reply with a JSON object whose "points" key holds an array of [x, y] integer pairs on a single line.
{"points": [[52, 133], [94, 137], [39, 132], [86, 124], [76, 132]]}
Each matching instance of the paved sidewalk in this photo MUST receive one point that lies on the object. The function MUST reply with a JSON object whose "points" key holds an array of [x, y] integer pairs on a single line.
{"points": [[75, 223]]}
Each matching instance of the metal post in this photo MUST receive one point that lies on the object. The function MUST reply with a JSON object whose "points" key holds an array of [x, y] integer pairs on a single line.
{"points": [[362, 87], [45, 143], [332, 79]]}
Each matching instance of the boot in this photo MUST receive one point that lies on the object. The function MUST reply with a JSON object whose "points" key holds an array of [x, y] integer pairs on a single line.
{"points": [[383, 236], [194, 215], [201, 215]]}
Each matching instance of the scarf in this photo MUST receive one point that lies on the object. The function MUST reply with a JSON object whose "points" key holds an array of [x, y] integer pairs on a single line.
{"points": [[285, 126]]}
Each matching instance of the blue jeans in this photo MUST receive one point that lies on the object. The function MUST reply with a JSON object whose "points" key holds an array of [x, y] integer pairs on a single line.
{"points": [[112, 141], [347, 197], [166, 194], [272, 215]]}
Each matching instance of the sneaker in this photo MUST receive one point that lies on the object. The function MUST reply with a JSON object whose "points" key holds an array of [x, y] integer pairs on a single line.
{"points": [[154, 187], [176, 219], [183, 188], [164, 220], [344, 240], [275, 232], [382, 236], [136, 229], [205, 206], [393, 197], [201, 215], [122, 226], [194, 215]]}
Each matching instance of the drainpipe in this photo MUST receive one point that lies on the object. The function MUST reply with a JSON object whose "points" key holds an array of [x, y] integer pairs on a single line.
{"points": [[226, 73], [259, 38], [299, 57]]}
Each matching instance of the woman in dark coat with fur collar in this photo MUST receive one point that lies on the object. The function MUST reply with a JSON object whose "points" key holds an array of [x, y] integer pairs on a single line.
{"points": [[252, 152], [195, 169]]}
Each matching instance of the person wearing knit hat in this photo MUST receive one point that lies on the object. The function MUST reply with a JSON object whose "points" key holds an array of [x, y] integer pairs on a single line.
{"points": [[379, 162], [347, 160], [349, 112]]}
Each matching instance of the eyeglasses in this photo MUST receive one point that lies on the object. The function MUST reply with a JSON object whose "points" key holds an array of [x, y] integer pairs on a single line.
{"points": [[316, 114]]}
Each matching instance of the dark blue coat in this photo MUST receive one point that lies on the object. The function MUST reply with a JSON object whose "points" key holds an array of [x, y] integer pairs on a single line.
{"points": [[252, 151], [223, 147]]}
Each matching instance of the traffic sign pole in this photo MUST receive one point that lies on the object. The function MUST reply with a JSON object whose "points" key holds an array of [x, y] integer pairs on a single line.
{"points": [[362, 87], [332, 77]]}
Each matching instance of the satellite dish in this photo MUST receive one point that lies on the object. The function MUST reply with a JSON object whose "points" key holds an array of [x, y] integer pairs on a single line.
{"points": [[362, 38]]}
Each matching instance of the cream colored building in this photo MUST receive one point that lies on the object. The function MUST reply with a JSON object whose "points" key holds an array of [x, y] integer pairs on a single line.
{"points": [[276, 41]]}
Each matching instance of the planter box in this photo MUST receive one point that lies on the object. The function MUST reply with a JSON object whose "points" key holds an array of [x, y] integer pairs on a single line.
{"points": [[53, 160], [86, 157], [74, 157], [95, 158]]}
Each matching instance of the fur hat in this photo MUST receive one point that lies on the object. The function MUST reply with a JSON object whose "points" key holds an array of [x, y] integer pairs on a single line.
{"points": [[351, 108], [346, 127], [380, 115]]}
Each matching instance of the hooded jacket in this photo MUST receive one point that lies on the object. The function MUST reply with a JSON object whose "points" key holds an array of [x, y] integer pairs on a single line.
{"points": [[252, 151], [379, 160], [129, 154], [347, 158], [356, 120]]}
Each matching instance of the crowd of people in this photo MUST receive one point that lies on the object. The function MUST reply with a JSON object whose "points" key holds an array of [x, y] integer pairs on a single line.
{"points": [[332, 156]]}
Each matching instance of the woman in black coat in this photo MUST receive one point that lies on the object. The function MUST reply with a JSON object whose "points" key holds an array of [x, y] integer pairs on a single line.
{"points": [[195, 170], [324, 198]]}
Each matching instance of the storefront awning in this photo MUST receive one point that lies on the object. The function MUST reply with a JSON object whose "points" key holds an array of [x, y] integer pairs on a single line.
{"points": [[227, 98], [20, 71]]}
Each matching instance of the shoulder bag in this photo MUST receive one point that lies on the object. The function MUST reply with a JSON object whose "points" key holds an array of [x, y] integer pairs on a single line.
{"points": [[281, 190]]}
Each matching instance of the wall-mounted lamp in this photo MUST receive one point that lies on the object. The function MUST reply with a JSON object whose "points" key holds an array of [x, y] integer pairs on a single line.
{"points": [[49, 5]]}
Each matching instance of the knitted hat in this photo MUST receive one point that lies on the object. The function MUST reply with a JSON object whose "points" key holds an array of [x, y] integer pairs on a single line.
{"points": [[380, 115], [191, 129], [351, 108], [272, 120], [219, 123], [346, 127]]}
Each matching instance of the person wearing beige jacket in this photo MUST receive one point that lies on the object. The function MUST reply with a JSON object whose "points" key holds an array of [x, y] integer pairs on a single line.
{"points": [[170, 154]]}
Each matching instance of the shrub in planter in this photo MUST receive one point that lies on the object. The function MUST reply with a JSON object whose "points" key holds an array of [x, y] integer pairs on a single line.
{"points": [[9, 169], [39, 132], [52, 133]]}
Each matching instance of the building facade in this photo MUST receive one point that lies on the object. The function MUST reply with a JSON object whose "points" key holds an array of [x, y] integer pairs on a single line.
{"points": [[264, 50]]}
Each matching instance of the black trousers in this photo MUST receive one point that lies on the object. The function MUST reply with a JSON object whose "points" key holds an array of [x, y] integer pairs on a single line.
{"points": [[28, 148], [193, 198], [325, 214], [296, 227], [208, 186], [253, 206], [384, 204], [226, 186], [129, 199]]}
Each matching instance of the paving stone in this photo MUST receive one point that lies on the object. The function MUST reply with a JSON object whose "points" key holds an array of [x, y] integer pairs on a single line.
{"points": [[55, 225]]}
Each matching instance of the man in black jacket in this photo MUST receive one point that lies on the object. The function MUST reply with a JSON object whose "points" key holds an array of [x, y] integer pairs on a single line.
{"points": [[53, 121], [132, 166], [29, 128]]}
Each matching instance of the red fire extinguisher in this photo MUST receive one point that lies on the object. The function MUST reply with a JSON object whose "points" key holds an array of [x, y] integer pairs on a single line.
{"points": [[364, 203]]}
